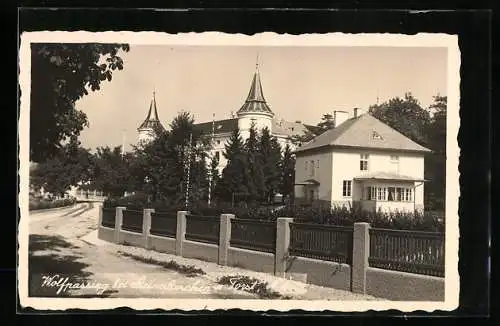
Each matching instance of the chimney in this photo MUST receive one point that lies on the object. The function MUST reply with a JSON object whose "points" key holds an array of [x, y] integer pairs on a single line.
{"points": [[356, 112], [339, 117], [298, 121]]}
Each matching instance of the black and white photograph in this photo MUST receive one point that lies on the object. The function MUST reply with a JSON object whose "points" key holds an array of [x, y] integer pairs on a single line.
{"points": [[223, 171]]}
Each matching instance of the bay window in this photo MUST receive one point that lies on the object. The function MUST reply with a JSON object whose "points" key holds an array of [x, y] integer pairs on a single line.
{"points": [[398, 194]]}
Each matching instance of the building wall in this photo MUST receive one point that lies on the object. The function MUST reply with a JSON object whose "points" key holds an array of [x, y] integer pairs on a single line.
{"points": [[145, 136], [323, 174], [346, 166], [261, 121]]}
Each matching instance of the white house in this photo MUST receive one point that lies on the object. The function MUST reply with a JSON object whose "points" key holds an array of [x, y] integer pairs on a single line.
{"points": [[364, 162]]}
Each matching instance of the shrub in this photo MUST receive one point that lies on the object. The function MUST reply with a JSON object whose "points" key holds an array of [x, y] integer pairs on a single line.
{"points": [[427, 221], [40, 203]]}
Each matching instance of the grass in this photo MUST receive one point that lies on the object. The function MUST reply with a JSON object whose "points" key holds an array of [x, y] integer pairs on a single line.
{"points": [[252, 285], [188, 270]]}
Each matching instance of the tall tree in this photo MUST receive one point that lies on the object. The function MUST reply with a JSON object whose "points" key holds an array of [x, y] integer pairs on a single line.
{"points": [[270, 153], [112, 171], [164, 163], [214, 176], [254, 178], [405, 115], [287, 173], [435, 163], [232, 184], [60, 75]]}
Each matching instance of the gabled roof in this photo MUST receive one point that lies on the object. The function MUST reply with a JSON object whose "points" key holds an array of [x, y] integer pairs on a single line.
{"points": [[152, 122], [365, 131], [255, 102]]}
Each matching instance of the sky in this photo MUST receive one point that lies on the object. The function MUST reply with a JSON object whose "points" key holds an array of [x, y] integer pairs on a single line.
{"points": [[299, 83]]}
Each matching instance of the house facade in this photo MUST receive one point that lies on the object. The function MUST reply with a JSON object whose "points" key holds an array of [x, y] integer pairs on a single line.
{"points": [[364, 163]]}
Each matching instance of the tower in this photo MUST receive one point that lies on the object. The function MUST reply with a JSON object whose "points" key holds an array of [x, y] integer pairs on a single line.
{"points": [[147, 130], [255, 109]]}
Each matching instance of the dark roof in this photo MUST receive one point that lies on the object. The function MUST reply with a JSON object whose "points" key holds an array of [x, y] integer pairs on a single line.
{"points": [[152, 122], [219, 126], [365, 131], [255, 101]]}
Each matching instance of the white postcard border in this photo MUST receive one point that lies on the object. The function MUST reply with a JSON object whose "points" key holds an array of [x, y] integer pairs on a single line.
{"points": [[452, 280]]}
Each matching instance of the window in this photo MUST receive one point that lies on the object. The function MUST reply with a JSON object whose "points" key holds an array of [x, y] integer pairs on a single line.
{"points": [[394, 158], [346, 188], [306, 164], [376, 136], [317, 164], [312, 168], [363, 163], [381, 193], [218, 142], [397, 194], [217, 155], [407, 195]]}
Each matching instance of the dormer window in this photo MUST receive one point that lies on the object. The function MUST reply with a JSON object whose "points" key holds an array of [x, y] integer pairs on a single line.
{"points": [[376, 136]]}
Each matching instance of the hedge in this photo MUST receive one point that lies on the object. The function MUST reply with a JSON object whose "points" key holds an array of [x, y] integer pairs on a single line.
{"points": [[45, 203], [427, 221]]}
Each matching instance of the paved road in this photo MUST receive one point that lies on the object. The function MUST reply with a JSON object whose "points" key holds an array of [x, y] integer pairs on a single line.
{"points": [[57, 252]]}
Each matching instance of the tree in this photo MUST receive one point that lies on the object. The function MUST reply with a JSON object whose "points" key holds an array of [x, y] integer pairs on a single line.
{"points": [[270, 152], [60, 75], [254, 179], [232, 182], [435, 163], [70, 166], [327, 122], [161, 166], [287, 173], [52, 176], [112, 171], [404, 115], [214, 175]]}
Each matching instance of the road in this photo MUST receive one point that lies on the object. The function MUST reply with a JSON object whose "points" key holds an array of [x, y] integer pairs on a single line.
{"points": [[57, 251]]}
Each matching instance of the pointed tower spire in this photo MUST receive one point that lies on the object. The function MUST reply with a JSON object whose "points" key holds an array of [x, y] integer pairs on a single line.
{"points": [[255, 102], [151, 122]]}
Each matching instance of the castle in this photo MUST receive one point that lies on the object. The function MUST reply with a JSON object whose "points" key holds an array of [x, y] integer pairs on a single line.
{"points": [[254, 110]]}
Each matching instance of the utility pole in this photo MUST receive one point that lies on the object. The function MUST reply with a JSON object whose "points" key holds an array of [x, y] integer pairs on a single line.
{"points": [[210, 163], [188, 169], [123, 143]]}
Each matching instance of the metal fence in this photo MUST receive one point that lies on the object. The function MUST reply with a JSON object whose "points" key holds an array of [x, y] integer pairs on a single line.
{"points": [[132, 221], [407, 251], [332, 243], [203, 228], [108, 217], [253, 235], [164, 224]]}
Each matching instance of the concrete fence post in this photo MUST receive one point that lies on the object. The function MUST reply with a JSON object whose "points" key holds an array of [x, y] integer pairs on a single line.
{"points": [[224, 237], [180, 232], [146, 225], [360, 254], [118, 223], [282, 244], [101, 207]]}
